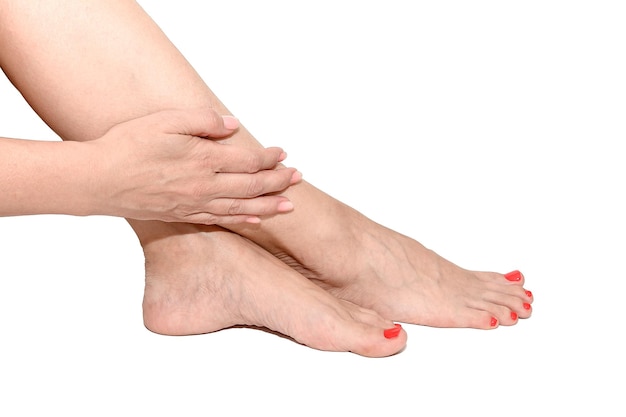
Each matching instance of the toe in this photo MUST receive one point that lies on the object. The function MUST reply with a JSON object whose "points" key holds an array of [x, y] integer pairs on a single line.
{"points": [[514, 276], [376, 342], [526, 310]]}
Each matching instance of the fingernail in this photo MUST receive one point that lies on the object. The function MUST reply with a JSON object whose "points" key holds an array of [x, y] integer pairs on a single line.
{"points": [[513, 276], [253, 220], [529, 294], [393, 332], [513, 315], [526, 306], [285, 206], [296, 177], [230, 122], [494, 322], [282, 157]]}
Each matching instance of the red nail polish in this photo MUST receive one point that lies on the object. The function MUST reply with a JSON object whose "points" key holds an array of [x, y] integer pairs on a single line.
{"points": [[526, 306], [513, 315], [393, 332], [494, 322], [513, 276], [529, 294]]}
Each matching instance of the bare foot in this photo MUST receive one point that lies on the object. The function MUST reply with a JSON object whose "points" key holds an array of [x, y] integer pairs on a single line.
{"points": [[203, 279], [361, 261]]}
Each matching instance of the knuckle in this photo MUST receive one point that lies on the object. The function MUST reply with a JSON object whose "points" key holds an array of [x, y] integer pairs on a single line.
{"points": [[197, 217], [280, 180], [210, 219], [213, 120], [285, 177], [180, 213], [235, 207], [255, 187], [254, 162]]}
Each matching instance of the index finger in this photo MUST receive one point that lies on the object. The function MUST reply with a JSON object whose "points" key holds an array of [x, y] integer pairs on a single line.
{"points": [[204, 122], [237, 159]]}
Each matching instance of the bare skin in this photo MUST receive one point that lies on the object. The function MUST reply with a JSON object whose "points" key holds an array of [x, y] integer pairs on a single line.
{"points": [[371, 266], [248, 287], [152, 172], [192, 275]]}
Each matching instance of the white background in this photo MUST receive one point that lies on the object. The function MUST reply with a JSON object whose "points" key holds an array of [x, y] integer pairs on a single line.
{"points": [[488, 130]]}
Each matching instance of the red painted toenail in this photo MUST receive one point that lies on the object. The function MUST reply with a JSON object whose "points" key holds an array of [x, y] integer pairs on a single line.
{"points": [[513, 315], [529, 294], [494, 322], [526, 306], [393, 332], [513, 276]]}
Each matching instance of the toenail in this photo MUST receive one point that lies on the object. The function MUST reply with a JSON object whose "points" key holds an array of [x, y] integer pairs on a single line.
{"points": [[393, 332], [513, 315], [529, 294], [513, 276], [494, 322], [526, 306]]}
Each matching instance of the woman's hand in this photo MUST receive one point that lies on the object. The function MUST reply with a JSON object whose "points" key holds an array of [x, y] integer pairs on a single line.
{"points": [[163, 167]]}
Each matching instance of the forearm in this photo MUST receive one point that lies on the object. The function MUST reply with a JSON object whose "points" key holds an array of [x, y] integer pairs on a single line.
{"points": [[68, 51], [39, 177], [82, 81]]}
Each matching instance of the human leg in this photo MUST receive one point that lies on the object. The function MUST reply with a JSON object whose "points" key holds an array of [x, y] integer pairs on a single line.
{"points": [[85, 66], [364, 262], [243, 284], [321, 226]]}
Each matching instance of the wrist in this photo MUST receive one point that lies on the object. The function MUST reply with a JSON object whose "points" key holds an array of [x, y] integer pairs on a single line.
{"points": [[44, 177], [77, 180], [92, 189]]}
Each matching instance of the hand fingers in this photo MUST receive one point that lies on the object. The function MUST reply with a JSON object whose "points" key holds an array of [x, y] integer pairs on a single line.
{"points": [[240, 209], [236, 159], [236, 211], [228, 185], [197, 122]]}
